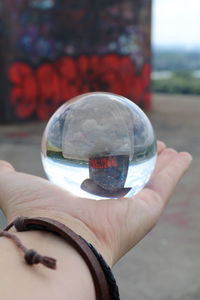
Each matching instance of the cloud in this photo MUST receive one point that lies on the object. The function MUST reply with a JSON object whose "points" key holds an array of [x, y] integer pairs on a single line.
{"points": [[98, 125]]}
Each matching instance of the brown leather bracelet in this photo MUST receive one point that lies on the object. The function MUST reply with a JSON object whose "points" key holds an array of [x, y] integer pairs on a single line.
{"points": [[46, 224]]}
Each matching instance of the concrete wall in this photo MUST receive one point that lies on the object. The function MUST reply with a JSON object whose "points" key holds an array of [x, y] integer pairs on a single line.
{"points": [[52, 50]]}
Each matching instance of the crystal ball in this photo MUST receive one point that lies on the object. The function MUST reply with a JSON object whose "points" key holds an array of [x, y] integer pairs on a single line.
{"points": [[99, 146]]}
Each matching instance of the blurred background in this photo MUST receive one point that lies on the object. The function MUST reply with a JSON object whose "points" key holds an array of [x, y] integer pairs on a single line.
{"points": [[153, 48], [176, 47]]}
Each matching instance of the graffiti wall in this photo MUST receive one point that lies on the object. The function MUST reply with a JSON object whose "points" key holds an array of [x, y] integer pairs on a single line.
{"points": [[52, 50]]}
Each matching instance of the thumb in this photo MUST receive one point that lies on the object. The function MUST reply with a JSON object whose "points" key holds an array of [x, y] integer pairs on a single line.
{"points": [[5, 165]]}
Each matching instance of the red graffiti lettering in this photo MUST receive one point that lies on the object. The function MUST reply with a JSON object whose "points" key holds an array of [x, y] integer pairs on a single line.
{"points": [[49, 91], [40, 91], [103, 162], [24, 91]]}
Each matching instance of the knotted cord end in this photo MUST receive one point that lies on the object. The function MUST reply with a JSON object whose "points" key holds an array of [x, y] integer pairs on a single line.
{"points": [[32, 257], [19, 223]]}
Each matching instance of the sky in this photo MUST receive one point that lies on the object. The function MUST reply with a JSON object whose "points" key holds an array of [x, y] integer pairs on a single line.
{"points": [[176, 23]]}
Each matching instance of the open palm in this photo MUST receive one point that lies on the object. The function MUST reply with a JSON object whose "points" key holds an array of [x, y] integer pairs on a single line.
{"points": [[112, 226]]}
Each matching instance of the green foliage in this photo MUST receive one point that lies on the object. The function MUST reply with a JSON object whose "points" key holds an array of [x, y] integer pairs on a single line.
{"points": [[179, 83], [182, 64]]}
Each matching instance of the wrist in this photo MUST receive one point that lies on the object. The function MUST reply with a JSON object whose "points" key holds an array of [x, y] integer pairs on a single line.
{"points": [[104, 281], [71, 269], [76, 225]]}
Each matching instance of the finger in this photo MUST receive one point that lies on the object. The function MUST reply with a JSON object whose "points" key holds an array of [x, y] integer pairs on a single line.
{"points": [[160, 146], [164, 158], [5, 165], [164, 182]]}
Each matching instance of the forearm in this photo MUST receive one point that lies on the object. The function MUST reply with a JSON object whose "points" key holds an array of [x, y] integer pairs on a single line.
{"points": [[71, 279]]}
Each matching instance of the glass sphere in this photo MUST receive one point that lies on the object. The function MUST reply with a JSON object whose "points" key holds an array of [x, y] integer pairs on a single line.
{"points": [[99, 145]]}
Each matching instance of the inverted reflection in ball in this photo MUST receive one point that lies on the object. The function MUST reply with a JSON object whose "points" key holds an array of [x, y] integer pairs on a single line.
{"points": [[99, 145]]}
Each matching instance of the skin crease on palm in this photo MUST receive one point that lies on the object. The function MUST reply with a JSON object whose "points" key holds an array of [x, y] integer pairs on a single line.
{"points": [[113, 226]]}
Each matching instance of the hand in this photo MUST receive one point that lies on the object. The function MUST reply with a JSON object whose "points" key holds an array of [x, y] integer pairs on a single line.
{"points": [[113, 226]]}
